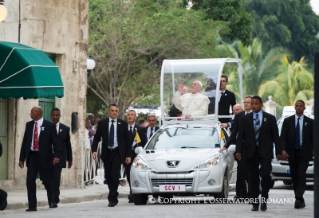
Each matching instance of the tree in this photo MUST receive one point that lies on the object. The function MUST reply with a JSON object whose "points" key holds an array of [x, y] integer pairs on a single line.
{"points": [[237, 23], [129, 40], [257, 67], [293, 82], [291, 24]]}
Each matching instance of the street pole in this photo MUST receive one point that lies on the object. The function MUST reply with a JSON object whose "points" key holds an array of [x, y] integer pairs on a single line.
{"points": [[316, 138]]}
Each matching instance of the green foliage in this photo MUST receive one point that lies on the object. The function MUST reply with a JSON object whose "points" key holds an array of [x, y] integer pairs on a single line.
{"points": [[129, 39], [237, 23], [291, 24], [293, 82]]}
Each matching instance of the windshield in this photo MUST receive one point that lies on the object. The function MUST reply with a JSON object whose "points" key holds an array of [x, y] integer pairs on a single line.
{"points": [[180, 137]]}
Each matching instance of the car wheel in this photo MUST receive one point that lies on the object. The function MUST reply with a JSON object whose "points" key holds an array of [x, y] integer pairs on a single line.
{"points": [[287, 182], [224, 193], [140, 199]]}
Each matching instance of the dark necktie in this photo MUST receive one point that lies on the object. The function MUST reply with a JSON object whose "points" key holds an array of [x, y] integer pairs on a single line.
{"points": [[297, 141], [111, 135], [257, 127], [131, 131], [151, 132], [223, 95]]}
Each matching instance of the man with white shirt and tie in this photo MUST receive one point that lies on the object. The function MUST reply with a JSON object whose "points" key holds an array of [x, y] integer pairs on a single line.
{"points": [[242, 172], [116, 149], [36, 150], [152, 128], [137, 138], [63, 132], [227, 99]]}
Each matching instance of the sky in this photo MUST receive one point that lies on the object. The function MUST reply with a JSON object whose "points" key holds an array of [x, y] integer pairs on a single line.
{"points": [[315, 6]]}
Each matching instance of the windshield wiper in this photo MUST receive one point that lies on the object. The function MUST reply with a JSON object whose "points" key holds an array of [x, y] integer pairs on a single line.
{"points": [[188, 147]]}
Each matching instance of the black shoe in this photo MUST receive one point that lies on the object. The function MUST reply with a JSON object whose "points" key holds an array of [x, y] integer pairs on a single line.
{"points": [[31, 209], [53, 205], [113, 203], [254, 208], [263, 206], [299, 204]]}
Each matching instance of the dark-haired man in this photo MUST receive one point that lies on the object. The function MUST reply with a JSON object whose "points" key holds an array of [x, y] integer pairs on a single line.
{"points": [[63, 132], [257, 133], [116, 149], [297, 144], [137, 138], [36, 150], [227, 99]]}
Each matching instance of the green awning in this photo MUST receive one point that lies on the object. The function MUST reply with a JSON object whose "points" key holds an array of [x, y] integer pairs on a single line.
{"points": [[27, 72]]}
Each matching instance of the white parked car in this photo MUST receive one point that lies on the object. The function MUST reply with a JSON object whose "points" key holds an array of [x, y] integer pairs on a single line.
{"points": [[183, 159]]}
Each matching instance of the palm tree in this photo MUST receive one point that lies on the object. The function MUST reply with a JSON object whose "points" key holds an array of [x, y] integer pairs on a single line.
{"points": [[293, 82], [257, 68]]}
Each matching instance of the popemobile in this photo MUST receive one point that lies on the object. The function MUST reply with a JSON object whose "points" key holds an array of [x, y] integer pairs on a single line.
{"points": [[183, 157]]}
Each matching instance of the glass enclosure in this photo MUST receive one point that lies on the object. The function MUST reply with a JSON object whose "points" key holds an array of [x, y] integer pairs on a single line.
{"points": [[177, 77]]}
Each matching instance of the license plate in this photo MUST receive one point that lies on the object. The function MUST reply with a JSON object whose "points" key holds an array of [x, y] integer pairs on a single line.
{"points": [[172, 188], [288, 171]]}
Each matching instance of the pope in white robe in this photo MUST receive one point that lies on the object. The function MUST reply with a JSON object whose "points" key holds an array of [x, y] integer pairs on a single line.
{"points": [[191, 104]]}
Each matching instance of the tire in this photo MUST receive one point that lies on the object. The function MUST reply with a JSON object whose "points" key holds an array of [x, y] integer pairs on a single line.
{"points": [[224, 193], [287, 182], [140, 199]]}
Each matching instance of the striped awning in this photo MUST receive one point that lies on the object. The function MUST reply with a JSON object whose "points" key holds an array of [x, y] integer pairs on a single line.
{"points": [[27, 72]]}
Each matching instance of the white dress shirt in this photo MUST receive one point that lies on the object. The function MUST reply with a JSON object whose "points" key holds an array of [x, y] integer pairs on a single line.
{"points": [[115, 132], [40, 122], [57, 125]]}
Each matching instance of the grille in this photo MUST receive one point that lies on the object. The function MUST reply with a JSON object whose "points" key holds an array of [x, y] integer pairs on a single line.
{"points": [[186, 182]]}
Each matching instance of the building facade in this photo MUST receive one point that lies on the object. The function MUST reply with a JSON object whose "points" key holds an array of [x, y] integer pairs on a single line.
{"points": [[60, 29]]}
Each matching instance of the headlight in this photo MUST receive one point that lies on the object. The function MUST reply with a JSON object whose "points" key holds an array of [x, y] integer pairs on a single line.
{"points": [[140, 164], [212, 161]]}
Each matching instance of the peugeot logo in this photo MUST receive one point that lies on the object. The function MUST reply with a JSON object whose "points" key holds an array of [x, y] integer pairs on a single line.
{"points": [[172, 163]]}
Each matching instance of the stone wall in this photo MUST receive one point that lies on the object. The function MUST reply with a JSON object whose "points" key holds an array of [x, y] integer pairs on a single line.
{"points": [[59, 27]]}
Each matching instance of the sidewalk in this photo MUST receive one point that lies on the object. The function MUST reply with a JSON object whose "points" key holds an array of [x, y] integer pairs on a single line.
{"points": [[17, 199]]}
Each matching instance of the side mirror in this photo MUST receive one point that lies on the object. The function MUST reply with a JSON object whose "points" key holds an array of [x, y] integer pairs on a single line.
{"points": [[232, 148], [138, 150]]}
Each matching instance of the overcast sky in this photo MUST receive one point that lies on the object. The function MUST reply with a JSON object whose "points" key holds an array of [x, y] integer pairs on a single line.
{"points": [[315, 6]]}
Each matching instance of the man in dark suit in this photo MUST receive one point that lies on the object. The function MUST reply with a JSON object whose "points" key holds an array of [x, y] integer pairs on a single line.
{"points": [[242, 173], [137, 138], [116, 149], [257, 133], [3, 194], [227, 99], [36, 150], [152, 128], [297, 144], [63, 132]]}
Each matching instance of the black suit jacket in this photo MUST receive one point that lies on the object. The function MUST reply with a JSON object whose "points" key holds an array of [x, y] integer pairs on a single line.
{"points": [[66, 149], [145, 130], [234, 129], [48, 136], [224, 104], [288, 136], [268, 134], [142, 135], [123, 139]]}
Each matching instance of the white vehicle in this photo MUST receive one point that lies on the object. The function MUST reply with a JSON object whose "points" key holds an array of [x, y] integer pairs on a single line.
{"points": [[183, 156]]}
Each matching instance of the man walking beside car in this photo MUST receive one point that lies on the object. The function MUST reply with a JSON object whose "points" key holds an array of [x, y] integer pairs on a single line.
{"points": [[297, 144], [257, 133], [116, 149]]}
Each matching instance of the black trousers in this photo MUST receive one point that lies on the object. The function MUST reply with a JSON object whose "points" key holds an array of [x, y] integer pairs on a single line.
{"points": [[255, 172], [242, 177], [112, 167], [45, 176], [56, 179], [128, 170], [298, 168]]}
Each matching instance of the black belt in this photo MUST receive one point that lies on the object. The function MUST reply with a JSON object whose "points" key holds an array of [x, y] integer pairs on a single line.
{"points": [[34, 152], [113, 149]]}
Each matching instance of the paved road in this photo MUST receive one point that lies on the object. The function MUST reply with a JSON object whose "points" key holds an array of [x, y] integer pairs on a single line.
{"points": [[98, 208]]}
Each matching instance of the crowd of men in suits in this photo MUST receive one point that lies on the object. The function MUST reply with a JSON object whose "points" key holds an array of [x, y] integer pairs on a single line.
{"points": [[46, 145]]}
